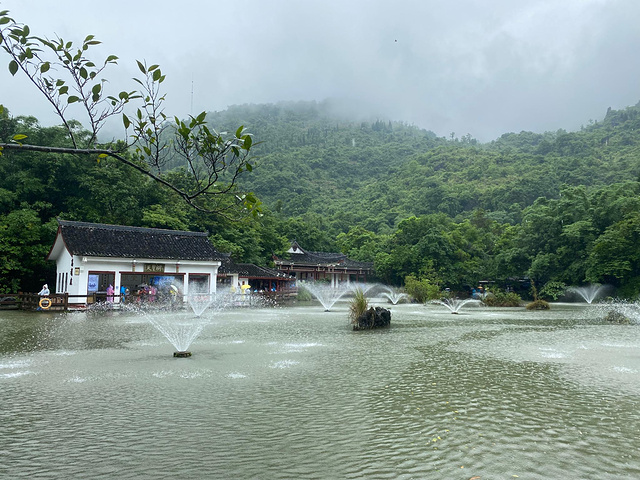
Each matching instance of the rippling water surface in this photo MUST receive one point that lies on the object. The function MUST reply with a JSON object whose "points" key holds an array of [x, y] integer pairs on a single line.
{"points": [[292, 393]]}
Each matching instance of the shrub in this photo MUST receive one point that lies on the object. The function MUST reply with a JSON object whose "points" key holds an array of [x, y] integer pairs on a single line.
{"points": [[553, 290], [304, 295], [421, 289], [502, 299], [538, 305]]}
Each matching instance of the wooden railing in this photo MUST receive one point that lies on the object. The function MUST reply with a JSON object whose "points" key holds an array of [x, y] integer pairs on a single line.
{"points": [[64, 301]]}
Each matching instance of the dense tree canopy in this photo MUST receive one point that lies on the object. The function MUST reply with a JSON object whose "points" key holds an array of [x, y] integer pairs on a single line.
{"points": [[556, 209]]}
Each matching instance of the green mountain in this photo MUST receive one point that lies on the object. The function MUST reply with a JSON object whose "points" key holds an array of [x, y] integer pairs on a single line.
{"points": [[556, 208], [376, 173]]}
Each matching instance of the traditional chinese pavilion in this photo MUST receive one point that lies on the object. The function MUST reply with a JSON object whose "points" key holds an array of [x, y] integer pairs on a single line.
{"points": [[91, 256], [313, 266], [257, 279]]}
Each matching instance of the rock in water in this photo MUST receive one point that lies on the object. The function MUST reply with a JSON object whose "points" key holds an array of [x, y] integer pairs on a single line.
{"points": [[377, 317]]}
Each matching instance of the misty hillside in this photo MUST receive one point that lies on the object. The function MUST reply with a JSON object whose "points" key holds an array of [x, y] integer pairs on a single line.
{"points": [[313, 160]]}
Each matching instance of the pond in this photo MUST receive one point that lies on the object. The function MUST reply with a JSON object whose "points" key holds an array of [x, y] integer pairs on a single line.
{"points": [[293, 393]]}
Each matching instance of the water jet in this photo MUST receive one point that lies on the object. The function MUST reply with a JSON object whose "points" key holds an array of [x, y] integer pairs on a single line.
{"points": [[327, 294], [454, 304], [587, 292], [395, 296]]}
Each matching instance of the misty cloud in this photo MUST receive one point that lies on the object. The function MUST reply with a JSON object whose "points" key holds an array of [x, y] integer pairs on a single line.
{"points": [[483, 68]]}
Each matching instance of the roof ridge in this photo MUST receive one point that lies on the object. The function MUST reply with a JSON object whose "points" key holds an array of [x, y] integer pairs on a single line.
{"points": [[106, 226]]}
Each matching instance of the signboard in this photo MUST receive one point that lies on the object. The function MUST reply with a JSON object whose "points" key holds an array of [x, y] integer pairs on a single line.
{"points": [[92, 285], [154, 267]]}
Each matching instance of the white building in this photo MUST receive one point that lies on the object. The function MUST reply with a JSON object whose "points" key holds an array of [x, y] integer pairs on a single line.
{"points": [[90, 257]]}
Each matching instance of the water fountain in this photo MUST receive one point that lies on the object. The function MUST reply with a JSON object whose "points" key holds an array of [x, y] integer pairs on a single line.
{"points": [[618, 311], [364, 287], [588, 292], [394, 295], [327, 294], [182, 328], [454, 304], [198, 302]]}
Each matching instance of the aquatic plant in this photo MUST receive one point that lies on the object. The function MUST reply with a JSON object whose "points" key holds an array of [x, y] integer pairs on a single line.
{"points": [[358, 305], [538, 305]]}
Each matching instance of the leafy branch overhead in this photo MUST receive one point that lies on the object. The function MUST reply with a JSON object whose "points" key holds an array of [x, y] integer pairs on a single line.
{"points": [[67, 78]]}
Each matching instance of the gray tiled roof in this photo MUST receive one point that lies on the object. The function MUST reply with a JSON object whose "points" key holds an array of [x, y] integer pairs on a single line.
{"points": [[101, 240], [250, 270], [306, 257]]}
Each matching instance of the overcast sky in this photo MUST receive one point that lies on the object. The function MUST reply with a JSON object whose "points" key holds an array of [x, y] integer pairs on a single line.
{"points": [[465, 66]]}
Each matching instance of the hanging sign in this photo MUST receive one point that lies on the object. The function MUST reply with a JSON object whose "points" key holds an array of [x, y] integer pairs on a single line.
{"points": [[154, 267]]}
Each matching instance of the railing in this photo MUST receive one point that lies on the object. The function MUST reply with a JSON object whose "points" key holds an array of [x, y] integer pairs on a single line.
{"points": [[64, 301], [9, 301], [282, 293], [32, 301]]}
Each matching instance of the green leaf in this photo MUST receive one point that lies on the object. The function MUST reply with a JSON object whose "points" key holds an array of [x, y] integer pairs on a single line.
{"points": [[239, 131], [45, 67], [103, 155], [141, 67], [4, 20], [126, 121], [96, 89], [13, 67], [156, 75], [247, 142], [19, 137], [72, 99]]}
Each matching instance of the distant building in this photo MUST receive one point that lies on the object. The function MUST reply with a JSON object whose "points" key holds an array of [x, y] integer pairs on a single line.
{"points": [[247, 276], [313, 266], [90, 256]]}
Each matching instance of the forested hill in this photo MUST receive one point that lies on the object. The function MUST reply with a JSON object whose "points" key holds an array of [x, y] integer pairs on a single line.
{"points": [[559, 208], [376, 173]]}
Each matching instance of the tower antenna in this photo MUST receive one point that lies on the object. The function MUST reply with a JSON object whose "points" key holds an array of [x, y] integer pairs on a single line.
{"points": [[191, 111]]}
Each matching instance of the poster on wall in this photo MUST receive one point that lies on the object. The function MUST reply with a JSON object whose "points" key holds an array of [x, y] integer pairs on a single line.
{"points": [[92, 286]]}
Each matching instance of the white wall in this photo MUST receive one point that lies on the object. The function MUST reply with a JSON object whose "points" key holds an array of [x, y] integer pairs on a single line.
{"points": [[84, 264]]}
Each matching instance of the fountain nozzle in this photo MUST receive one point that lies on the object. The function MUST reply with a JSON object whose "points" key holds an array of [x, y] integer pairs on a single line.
{"points": [[181, 354]]}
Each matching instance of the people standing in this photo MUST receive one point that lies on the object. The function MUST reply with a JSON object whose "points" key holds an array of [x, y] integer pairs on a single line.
{"points": [[110, 292], [44, 293]]}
